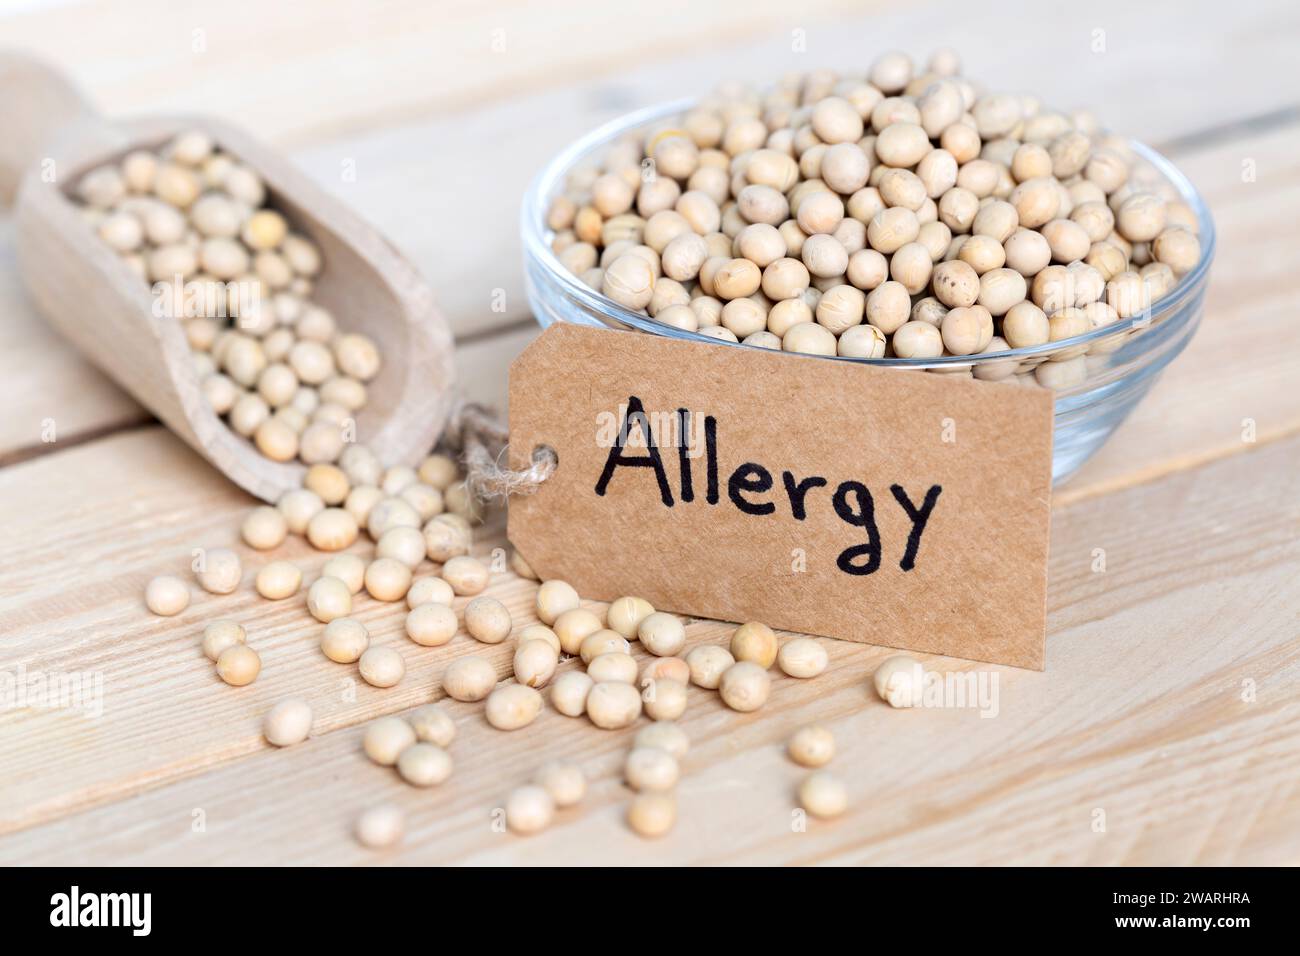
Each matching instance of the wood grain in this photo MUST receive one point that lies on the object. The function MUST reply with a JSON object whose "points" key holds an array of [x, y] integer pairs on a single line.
{"points": [[49, 384], [445, 182], [111, 514], [1236, 381], [64, 266], [1168, 703], [348, 66], [1223, 372], [1180, 733], [1239, 365], [47, 381], [441, 158]]}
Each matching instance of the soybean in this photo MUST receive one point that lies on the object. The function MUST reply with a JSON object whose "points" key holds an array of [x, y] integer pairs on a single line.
{"points": [[386, 738], [264, 528], [426, 590], [573, 627], [662, 634], [431, 625], [626, 614], [664, 735], [811, 746], [754, 642], [707, 663], [344, 640], [513, 706], [469, 678], [433, 725], [802, 657], [553, 599], [569, 693], [238, 665], [652, 814], [167, 595], [823, 795], [424, 765], [381, 666], [387, 579], [650, 769], [789, 209], [380, 826], [529, 809], [900, 681], [663, 698], [487, 620], [219, 635], [287, 723], [744, 686], [565, 782], [278, 580], [534, 663], [613, 667], [612, 705], [329, 598], [466, 575]]}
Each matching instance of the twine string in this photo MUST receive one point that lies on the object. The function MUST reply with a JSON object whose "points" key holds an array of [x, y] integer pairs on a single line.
{"points": [[483, 442]]}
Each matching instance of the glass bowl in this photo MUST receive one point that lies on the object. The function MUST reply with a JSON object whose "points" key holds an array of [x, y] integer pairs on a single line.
{"points": [[1122, 360]]}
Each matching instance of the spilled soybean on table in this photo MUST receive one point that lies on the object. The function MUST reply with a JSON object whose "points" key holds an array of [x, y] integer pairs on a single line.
{"points": [[1158, 733]]}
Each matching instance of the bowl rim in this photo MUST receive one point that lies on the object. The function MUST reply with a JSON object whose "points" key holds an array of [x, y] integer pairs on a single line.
{"points": [[537, 247]]}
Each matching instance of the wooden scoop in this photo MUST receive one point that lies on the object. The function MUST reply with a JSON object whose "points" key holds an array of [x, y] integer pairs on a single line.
{"points": [[53, 136]]}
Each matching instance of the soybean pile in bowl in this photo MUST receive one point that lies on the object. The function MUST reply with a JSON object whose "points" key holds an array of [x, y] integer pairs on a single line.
{"points": [[1002, 240]]}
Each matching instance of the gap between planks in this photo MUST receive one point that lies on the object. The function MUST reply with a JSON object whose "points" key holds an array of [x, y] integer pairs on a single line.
{"points": [[1250, 285], [463, 236], [1146, 724], [1203, 462], [482, 364], [401, 65]]}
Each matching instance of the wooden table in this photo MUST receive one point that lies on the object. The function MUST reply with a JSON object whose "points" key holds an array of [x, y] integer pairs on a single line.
{"points": [[1166, 728]]}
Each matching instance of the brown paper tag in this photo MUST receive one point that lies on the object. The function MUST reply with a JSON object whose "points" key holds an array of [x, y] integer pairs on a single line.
{"points": [[898, 508]]}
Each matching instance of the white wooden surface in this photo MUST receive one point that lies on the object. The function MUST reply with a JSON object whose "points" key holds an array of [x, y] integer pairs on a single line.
{"points": [[1169, 708]]}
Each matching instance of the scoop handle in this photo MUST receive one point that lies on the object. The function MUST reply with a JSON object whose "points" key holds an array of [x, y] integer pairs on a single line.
{"points": [[41, 105]]}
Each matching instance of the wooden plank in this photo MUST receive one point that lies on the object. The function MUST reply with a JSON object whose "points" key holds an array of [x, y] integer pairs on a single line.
{"points": [[1163, 717], [1237, 367], [1236, 362], [139, 495], [1236, 381], [346, 66], [445, 184], [1222, 768], [350, 67], [483, 364], [44, 380], [471, 196], [462, 231]]}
